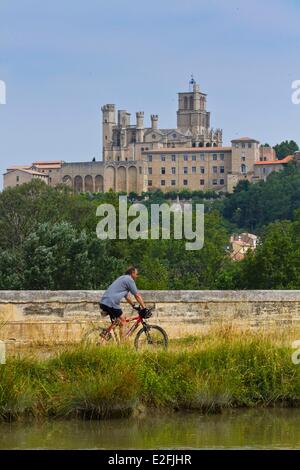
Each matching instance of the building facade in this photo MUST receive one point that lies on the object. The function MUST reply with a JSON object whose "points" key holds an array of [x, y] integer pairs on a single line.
{"points": [[136, 158]]}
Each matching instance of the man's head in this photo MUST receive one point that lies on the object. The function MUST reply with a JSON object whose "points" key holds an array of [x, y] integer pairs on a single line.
{"points": [[133, 272]]}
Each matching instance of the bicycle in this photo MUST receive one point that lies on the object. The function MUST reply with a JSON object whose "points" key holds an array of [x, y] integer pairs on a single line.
{"points": [[149, 335]]}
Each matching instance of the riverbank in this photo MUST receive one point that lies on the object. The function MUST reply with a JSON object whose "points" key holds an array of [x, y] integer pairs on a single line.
{"points": [[226, 369]]}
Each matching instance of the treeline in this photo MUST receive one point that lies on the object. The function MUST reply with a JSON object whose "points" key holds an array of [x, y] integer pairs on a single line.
{"points": [[48, 240], [253, 206]]}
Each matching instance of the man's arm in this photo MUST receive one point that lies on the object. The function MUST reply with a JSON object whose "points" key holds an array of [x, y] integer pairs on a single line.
{"points": [[140, 300], [129, 301], [133, 289]]}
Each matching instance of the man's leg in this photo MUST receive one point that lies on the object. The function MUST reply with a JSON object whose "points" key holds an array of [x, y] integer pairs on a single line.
{"points": [[122, 326]]}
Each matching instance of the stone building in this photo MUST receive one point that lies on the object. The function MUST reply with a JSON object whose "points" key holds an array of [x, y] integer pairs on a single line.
{"points": [[136, 158]]}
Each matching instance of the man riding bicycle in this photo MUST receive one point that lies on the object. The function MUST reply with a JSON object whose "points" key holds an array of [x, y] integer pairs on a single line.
{"points": [[120, 288]]}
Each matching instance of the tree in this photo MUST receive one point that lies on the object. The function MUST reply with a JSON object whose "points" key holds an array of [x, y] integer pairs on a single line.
{"points": [[285, 148]]}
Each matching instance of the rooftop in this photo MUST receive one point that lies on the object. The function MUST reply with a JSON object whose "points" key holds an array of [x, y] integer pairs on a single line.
{"points": [[276, 162], [245, 139]]}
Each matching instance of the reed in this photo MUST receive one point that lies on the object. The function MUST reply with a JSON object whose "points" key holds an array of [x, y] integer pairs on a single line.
{"points": [[229, 368]]}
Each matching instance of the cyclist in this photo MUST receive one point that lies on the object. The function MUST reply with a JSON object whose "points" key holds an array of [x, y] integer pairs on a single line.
{"points": [[120, 288]]}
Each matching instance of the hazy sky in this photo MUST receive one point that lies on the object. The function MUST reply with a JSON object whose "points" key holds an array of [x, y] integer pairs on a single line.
{"points": [[62, 59]]}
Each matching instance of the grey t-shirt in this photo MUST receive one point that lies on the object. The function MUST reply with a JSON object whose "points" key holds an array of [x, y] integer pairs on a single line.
{"points": [[117, 290]]}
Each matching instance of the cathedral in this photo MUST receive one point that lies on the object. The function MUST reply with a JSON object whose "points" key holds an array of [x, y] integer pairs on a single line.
{"points": [[137, 159]]}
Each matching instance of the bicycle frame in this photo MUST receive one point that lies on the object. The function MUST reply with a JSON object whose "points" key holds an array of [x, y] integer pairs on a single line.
{"points": [[138, 320]]}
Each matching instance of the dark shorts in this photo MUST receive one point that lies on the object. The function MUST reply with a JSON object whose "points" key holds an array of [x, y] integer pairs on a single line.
{"points": [[112, 312]]}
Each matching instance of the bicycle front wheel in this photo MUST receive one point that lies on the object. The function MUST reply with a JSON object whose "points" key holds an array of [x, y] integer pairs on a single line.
{"points": [[151, 337]]}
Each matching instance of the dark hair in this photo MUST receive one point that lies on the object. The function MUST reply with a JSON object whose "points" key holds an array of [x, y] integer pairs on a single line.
{"points": [[131, 270]]}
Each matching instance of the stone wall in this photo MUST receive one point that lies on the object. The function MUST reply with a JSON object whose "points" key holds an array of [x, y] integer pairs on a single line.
{"points": [[62, 316]]}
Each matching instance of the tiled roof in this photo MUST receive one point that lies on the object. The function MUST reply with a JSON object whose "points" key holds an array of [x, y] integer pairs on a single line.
{"points": [[31, 172], [48, 162], [19, 167], [276, 162]]}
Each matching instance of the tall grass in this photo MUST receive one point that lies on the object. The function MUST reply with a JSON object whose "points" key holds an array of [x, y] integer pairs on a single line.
{"points": [[206, 373]]}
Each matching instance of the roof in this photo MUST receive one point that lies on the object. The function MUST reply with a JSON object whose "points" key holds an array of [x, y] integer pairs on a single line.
{"points": [[19, 167], [31, 172], [50, 166], [276, 162], [245, 139], [188, 150], [48, 162]]}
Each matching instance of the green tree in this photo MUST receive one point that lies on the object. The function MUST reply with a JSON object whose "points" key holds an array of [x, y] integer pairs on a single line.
{"points": [[285, 148]]}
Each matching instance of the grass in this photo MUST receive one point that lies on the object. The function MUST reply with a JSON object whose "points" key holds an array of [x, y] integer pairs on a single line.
{"points": [[220, 369]]}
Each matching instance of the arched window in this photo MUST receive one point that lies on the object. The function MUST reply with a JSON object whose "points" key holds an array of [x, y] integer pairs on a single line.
{"points": [[243, 168], [191, 102]]}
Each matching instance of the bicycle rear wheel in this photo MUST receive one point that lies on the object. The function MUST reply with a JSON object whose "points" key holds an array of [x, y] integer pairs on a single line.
{"points": [[96, 337], [151, 337]]}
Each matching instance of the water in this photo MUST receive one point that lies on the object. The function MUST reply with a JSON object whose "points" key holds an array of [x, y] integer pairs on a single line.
{"points": [[247, 429]]}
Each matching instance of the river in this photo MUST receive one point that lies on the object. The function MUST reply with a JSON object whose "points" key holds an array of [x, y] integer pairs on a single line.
{"points": [[246, 429]]}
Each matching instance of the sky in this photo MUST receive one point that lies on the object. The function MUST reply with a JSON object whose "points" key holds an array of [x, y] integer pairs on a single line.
{"points": [[62, 60]]}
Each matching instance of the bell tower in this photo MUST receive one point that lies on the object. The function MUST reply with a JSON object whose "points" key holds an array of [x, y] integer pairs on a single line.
{"points": [[192, 116]]}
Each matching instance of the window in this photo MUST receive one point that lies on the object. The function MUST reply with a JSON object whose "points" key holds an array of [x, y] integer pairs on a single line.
{"points": [[201, 182], [215, 181], [149, 171], [202, 157], [215, 156], [185, 182], [243, 159], [163, 158], [50, 180], [194, 158], [249, 146], [243, 145], [222, 156], [243, 168], [163, 170], [173, 182], [153, 136], [173, 158], [221, 181], [185, 158], [149, 182], [202, 169], [236, 146], [18, 179], [215, 169], [185, 170], [222, 169], [149, 158], [174, 136], [163, 183], [193, 169], [173, 170]]}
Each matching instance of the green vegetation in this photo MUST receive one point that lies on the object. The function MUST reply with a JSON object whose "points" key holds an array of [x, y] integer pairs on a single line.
{"points": [[206, 374], [253, 206], [286, 148], [48, 239]]}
